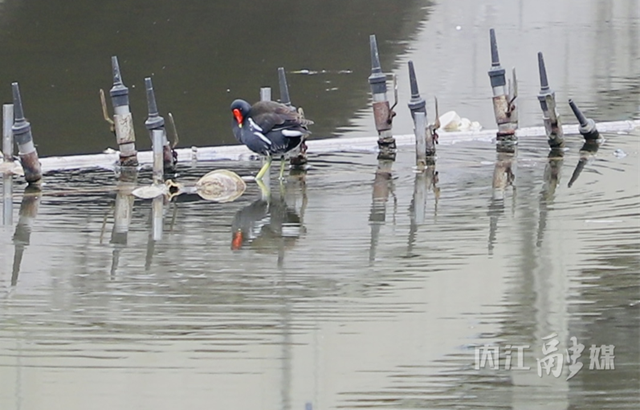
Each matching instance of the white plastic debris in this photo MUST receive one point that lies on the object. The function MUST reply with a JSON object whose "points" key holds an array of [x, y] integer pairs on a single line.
{"points": [[450, 121], [619, 153]]}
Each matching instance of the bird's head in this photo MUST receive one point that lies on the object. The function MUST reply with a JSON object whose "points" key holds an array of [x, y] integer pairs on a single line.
{"points": [[240, 109]]}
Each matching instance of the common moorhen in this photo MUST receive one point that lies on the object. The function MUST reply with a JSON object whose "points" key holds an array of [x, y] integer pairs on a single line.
{"points": [[268, 128]]}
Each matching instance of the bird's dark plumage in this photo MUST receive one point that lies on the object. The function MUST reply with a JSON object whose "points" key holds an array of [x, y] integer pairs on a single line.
{"points": [[268, 128]]}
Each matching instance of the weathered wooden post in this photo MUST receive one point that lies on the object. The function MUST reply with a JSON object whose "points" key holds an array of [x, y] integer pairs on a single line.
{"points": [[382, 113], [22, 134], [504, 100], [123, 121], [550, 116], [157, 132]]}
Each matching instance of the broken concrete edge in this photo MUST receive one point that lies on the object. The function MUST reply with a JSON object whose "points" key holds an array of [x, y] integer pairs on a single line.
{"points": [[320, 146]]}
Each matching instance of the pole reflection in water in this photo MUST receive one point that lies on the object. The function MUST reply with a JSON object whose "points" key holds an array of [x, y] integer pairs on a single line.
{"points": [[22, 236], [7, 199], [155, 234], [122, 213], [268, 224], [587, 153], [551, 179], [503, 177], [424, 181], [382, 187]]}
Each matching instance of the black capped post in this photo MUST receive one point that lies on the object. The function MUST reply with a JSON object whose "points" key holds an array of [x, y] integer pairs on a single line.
{"points": [[158, 134], [22, 135], [587, 126], [504, 98], [417, 106], [382, 113], [122, 119], [300, 160], [550, 116]]}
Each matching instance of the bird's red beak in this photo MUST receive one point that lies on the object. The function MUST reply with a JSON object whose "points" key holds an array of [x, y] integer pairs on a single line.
{"points": [[236, 242], [238, 115]]}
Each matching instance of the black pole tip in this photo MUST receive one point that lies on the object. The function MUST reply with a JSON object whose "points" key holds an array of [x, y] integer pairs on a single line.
{"points": [[284, 86], [579, 115], [375, 57], [151, 98], [413, 81], [495, 58], [18, 113], [117, 78], [544, 83]]}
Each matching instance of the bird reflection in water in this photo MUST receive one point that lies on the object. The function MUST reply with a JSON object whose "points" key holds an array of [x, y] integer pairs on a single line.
{"points": [[270, 224]]}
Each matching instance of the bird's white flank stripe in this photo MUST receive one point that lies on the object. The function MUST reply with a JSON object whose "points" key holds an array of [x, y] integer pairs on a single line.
{"points": [[291, 133], [262, 137], [254, 125]]}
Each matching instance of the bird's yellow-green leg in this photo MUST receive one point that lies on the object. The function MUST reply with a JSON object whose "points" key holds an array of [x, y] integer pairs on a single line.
{"points": [[264, 169], [264, 190]]}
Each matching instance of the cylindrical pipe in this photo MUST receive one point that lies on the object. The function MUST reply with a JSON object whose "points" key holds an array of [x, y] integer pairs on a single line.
{"points": [[265, 93], [7, 199], [420, 121], [21, 238], [158, 157], [7, 134], [157, 208], [123, 121], [382, 113], [22, 134], [587, 125], [284, 87], [155, 125], [550, 116]]}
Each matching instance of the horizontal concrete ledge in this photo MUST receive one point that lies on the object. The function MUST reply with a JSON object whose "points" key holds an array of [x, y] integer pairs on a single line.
{"points": [[363, 144]]}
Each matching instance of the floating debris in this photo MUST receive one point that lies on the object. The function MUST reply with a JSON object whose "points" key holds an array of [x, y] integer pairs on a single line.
{"points": [[450, 121], [305, 71], [220, 185], [619, 153]]}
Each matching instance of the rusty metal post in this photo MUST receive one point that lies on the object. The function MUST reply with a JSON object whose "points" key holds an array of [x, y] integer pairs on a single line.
{"points": [[21, 238], [382, 113], [504, 100], [22, 134], [587, 125], [155, 125], [550, 116], [123, 121]]}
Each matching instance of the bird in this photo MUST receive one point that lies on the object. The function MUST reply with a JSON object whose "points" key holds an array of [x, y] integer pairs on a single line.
{"points": [[268, 128]]}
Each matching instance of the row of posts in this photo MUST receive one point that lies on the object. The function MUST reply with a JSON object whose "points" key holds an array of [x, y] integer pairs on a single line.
{"points": [[505, 94]]}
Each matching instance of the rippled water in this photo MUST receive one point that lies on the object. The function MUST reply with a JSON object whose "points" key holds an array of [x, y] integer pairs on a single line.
{"points": [[360, 284], [352, 290]]}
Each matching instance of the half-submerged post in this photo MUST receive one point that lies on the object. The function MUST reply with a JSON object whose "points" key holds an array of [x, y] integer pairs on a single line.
{"points": [[504, 106], [425, 146], [550, 116], [123, 121], [382, 112], [22, 134], [587, 126], [591, 141], [158, 134]]}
